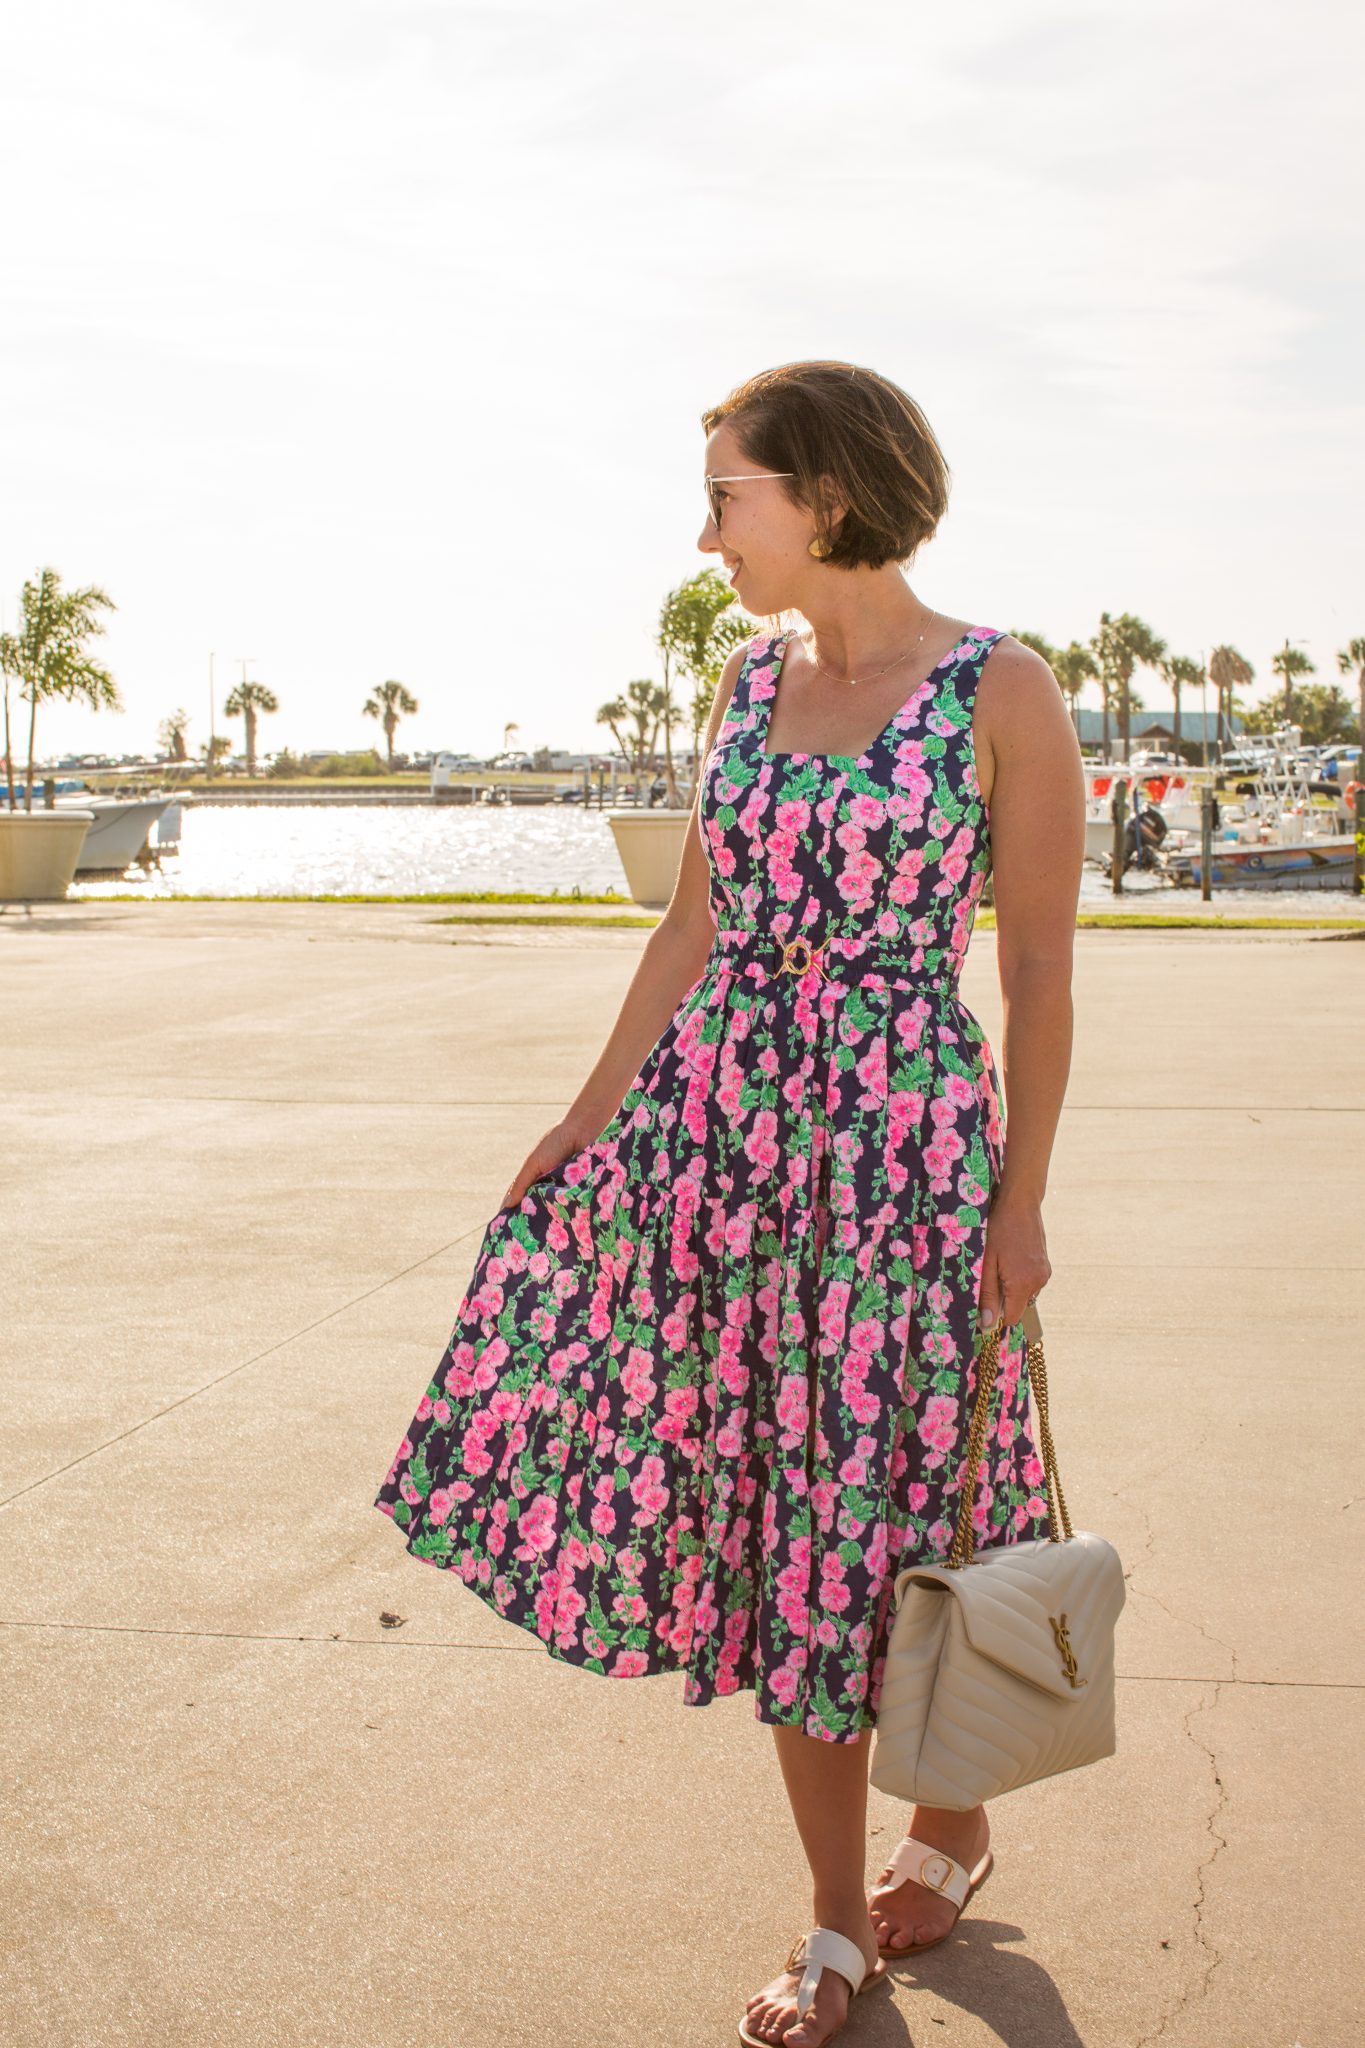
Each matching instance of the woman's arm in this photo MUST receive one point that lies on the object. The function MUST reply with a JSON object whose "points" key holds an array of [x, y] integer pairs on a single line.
{"points": [[674, 956], [1029, 770]]}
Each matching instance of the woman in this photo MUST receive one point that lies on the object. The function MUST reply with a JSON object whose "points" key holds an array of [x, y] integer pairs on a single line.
{"points": [[709, 1388]]}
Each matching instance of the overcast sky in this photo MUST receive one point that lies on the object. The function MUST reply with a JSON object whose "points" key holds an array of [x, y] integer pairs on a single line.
{"points": [[368, 338]]}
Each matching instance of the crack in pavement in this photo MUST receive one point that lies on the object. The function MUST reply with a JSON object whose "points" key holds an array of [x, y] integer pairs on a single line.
{"points": [[1144, 1593], [1192, 1996]]}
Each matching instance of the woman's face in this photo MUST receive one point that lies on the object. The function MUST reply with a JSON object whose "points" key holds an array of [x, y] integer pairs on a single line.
{"points": [[763, 538]]}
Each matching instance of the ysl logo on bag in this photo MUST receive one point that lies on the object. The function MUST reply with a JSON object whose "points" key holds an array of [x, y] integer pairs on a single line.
{"points": [[1069, 1664]]}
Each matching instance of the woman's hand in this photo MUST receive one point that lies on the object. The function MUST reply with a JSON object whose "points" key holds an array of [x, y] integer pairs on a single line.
{"points": [[557, 1145], [1014, 1266]]}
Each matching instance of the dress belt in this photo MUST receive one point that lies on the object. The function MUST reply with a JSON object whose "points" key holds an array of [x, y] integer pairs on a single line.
{"points": [[840, 957]]}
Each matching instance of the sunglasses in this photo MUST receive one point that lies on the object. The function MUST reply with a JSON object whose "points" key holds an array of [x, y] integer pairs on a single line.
{"points": [[751, 476]]}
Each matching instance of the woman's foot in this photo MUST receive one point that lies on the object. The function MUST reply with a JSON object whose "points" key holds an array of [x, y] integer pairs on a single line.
{"points": [[771, 2013], [909, 1912]]}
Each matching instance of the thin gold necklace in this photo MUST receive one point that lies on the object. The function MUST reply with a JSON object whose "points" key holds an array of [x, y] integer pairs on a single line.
{"points": [[876, 671]]}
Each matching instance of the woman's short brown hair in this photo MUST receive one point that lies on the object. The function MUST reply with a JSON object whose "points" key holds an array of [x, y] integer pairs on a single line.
{"points": [[863, 434]]}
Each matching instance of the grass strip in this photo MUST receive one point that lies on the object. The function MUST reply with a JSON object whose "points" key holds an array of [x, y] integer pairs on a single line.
{"points": [[1087, 920]]}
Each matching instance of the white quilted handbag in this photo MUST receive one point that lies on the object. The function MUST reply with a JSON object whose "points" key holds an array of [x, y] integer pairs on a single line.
{"points": [[999, 1670]]}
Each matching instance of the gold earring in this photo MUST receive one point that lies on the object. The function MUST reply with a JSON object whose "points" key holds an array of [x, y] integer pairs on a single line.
{"points": [[818, 549]]}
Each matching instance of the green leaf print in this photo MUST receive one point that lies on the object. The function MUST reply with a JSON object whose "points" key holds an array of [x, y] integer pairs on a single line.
{"points": [[915, 1377], [859, 1012], [598, 1623], [861, 1506], [951, 809], [826, 1713], [419, 1471]]}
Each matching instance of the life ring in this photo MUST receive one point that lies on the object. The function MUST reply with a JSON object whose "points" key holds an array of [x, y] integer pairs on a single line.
{"points": [[1349, 795]]}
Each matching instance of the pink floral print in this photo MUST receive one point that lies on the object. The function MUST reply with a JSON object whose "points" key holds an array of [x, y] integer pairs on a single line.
{"points": [[709, 1387]]}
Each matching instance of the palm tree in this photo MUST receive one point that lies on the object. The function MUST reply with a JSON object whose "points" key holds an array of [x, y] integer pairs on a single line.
{"points": [[642, 701], [170, 735], [47, 658], [699, 624], [1229, 672], [1119, 646], [248, 701], [389, 703], [1179, 669], [1351, 658], [1074, 667], [1290, 662]]}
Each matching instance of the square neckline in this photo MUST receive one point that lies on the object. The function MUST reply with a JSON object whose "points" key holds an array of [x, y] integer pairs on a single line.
{"points": [[804, 754]]}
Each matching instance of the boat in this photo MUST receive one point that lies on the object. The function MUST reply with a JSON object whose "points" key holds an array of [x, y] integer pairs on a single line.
{"points": [[1175, 792], [1327, 863], [1284, 828], [132, 824], [1282, 835]]}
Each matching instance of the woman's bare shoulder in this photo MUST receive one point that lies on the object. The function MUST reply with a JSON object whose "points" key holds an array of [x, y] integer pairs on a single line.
{"points": [[1011, 664], [1021, 718]]}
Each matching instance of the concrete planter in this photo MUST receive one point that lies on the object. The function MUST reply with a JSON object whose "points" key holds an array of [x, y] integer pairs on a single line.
{"points": [[650, 844], [38, 853]]}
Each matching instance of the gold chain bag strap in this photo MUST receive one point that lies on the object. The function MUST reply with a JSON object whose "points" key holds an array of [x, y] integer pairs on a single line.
{"points": [[1000, 1663]]}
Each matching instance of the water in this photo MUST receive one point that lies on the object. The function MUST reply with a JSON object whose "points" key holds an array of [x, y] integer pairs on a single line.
{"points": [[382, 850]]}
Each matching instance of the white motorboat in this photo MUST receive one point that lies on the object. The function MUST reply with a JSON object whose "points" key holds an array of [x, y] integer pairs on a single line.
{"points": [[124, 824], [122, 829], [1278, 837], [1173, 791]]}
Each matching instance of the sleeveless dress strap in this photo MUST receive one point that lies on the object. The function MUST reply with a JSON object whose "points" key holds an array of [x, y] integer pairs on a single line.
{"points": [[739, 712]]}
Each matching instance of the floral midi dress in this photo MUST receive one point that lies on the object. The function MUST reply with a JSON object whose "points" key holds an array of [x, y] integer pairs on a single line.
{"points": [[710, 1385]]}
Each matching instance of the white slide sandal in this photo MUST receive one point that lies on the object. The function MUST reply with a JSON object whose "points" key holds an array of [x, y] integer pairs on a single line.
{"points": [[823, 1947], [938, 1872]]}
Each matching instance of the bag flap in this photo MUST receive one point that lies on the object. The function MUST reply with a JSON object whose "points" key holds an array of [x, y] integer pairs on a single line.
{"points": [[1011, 1595]]}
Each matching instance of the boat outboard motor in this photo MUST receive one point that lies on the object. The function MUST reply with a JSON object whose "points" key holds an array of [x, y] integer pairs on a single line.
{"points": [[1143, 836]]}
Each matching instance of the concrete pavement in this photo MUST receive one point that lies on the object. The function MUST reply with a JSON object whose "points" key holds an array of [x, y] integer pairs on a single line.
{"points": [[248, 1154]]}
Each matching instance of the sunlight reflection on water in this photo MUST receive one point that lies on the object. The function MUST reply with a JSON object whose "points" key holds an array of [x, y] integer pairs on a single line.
{"points": [[384, 850], [400, 850]]}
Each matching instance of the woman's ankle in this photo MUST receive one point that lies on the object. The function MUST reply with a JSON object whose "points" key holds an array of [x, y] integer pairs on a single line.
{"points": [[948, 1820], [840, 1909]]}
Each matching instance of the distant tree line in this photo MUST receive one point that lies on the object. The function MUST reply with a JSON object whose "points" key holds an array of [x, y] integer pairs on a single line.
{"points": [[699, 623]]}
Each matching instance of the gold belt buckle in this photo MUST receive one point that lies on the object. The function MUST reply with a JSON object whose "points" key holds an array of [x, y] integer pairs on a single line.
{"points": [[811, 957]]}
